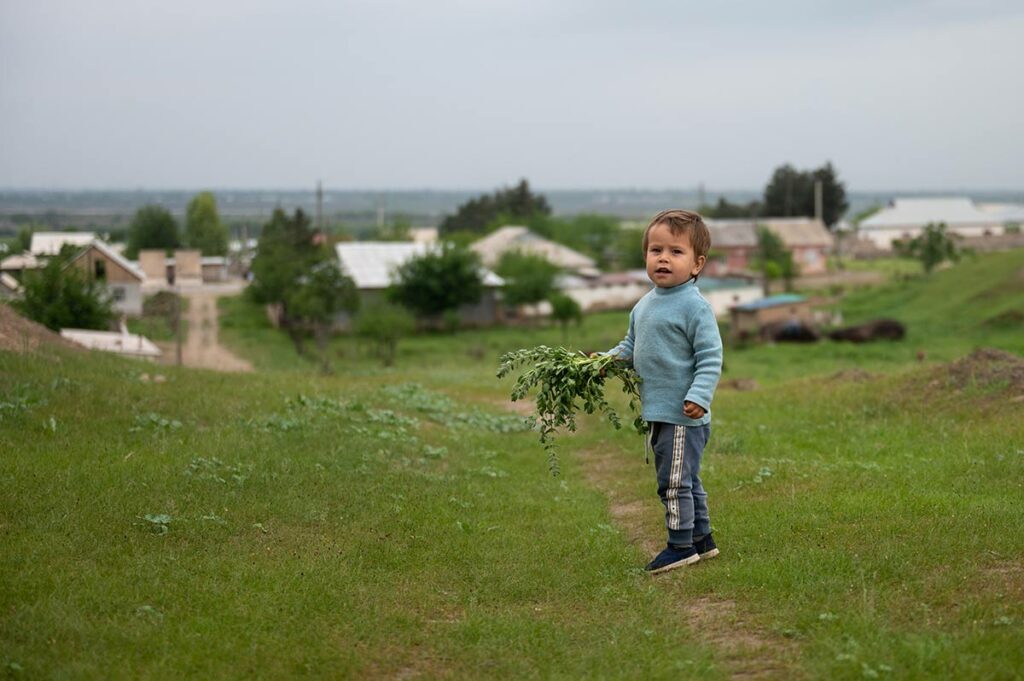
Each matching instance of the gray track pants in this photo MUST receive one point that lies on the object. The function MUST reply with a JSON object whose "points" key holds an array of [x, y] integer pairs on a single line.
{"points": [[678, 451]]}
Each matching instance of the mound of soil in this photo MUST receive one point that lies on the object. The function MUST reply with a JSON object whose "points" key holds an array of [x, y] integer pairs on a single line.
{"points": [[18, 334], [988, 367]]}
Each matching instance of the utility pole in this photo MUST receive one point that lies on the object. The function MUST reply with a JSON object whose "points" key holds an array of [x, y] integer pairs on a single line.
{"points": [[319, 207], [177, 318], [819, 203]]}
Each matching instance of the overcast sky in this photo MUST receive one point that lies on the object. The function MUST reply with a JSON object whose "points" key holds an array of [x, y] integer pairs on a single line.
{"points": [[477, 93]]}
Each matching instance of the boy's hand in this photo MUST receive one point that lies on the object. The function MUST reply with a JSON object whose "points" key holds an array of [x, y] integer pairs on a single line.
{"points": [[693, 410]]}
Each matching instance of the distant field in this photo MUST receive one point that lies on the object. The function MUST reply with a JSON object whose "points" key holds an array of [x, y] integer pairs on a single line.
{"points": [[398, 522]]}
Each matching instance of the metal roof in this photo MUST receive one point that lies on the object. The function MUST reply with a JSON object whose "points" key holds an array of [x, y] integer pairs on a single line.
{"points": [[519, 238], [106, 250], [50, 243], [771, 301], [732, 233], [371, 264], [918, 212]]}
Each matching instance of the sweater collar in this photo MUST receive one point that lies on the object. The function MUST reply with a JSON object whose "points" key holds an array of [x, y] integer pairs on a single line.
{"points": [[692, 283]]}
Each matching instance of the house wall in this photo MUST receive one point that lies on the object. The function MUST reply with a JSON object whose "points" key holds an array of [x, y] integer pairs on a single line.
{"points": [[811, 259], [152, 262], [607, 297], [114, 273], [215, 273], [883, 237], [722, 300], [188, 265], [127, 297]]}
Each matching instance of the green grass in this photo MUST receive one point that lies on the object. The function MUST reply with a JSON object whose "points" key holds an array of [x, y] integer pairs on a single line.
{"points": [[156, 322], [895, 267], [870, 528]]}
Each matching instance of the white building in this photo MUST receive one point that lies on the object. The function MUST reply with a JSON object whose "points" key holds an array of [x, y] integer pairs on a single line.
{"points": [[50, 243], [122, 342], [372, 266], [907, 218]]}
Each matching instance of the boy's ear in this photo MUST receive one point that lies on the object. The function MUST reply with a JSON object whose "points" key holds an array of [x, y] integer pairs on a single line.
{"points": [[699, 265]]}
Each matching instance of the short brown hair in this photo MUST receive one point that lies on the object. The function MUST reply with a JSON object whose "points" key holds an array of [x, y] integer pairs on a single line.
{"points": [[683, 222]]}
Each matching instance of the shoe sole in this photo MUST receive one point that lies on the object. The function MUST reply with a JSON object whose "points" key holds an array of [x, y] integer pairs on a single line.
{"points": [[710, 554], [679, 563]]}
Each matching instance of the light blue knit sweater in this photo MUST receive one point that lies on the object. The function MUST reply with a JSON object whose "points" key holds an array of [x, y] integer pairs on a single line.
{"points": [[674, 344]]}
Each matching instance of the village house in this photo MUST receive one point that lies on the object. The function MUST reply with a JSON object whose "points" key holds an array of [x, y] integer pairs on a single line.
{"points": [[122, 279], [906, 218], [188, 267], [808, 239], [734, 244], [16, 265], [733, 247], [514, 238], [622, 290], [372, 264]]}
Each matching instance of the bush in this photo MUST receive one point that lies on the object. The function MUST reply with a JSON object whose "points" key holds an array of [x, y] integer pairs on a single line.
{"points": [[384, 325], [62, 298], [529, 279]]}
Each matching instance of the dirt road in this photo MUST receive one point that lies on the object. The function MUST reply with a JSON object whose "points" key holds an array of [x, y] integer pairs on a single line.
{"points": [[201, 348]]}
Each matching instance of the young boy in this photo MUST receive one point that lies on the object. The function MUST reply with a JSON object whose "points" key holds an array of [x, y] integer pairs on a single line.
{"points": [[674, 345]]}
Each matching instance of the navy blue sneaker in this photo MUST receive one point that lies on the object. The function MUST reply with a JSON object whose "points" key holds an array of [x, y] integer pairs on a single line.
{"points": [[706, 547], [672, 557]]}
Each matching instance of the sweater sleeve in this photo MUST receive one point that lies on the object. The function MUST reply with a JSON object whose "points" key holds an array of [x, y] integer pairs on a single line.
{"points": [[624, 350], [707, 357]]}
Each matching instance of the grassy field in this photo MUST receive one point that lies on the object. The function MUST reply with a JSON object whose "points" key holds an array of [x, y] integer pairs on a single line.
{"points": [[399, 522]]}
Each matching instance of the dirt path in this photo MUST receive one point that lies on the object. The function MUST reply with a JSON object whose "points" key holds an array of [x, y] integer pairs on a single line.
{"points": [[201, 348], [747, 649]]}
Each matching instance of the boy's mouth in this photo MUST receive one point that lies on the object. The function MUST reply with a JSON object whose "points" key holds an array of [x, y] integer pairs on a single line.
{"points": [[663, 270]]}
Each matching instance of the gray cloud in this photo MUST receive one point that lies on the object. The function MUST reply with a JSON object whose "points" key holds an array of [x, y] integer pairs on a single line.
{"points": [[475, 94]]}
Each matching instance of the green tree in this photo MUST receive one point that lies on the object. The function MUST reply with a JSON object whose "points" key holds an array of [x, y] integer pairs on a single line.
{"points": [[774, 260], [318, 297], [23, 241], [286, 252], [790, 192], [725, 209], [152, 227], [517, 203], [529, 279], [933, 247], [61, 297], [203, 227], [565, 310], [438, 281], [396, 230], [384, 325]]}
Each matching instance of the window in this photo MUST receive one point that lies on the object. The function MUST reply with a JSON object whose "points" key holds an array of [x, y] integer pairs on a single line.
{"points": [[100, 269], [117, 293]]}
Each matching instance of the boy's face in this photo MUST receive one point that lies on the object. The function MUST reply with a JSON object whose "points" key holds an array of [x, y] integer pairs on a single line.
{"points": [[670, 258]]}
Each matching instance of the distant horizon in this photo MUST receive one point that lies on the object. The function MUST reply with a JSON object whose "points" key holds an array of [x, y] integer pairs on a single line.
{"points": [[486, 190]]}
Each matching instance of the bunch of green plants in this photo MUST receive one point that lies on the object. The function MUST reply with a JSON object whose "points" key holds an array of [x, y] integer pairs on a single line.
{"points": [[566, 382]]}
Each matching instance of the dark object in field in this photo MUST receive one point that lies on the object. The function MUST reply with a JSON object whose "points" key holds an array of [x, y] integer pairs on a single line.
{"points": [[790, 331], [879, 329]]}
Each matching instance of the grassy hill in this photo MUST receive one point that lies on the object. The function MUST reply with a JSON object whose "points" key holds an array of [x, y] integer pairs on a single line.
{"points": [[399, 522]]}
